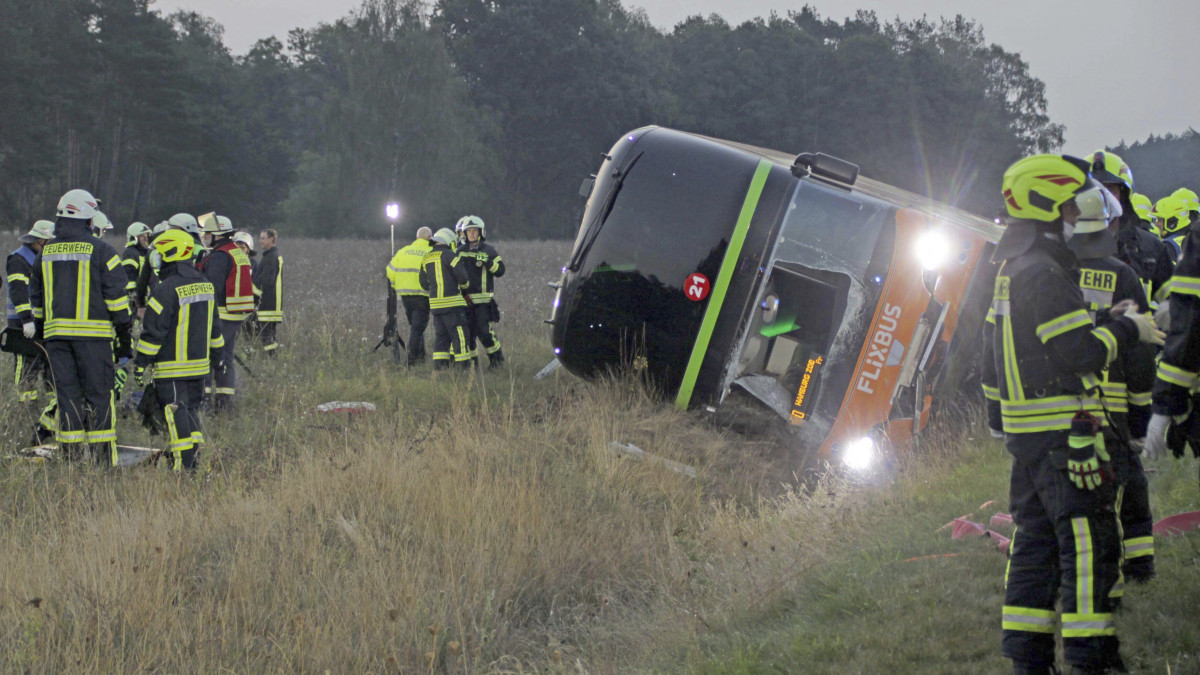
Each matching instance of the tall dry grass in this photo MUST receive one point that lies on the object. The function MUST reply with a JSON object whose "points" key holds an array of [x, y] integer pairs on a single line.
{"points": [[474, 523]]}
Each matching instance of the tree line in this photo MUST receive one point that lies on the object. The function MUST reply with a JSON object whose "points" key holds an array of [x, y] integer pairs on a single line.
{"points": [[492, 107]]}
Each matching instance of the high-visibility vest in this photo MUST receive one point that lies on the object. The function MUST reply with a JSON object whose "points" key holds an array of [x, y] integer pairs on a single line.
{"points": [[404, 271], [239, 285]]}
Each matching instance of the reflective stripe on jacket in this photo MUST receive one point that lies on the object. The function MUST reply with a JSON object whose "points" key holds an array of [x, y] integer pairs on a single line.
{"points": [[404, 270]]}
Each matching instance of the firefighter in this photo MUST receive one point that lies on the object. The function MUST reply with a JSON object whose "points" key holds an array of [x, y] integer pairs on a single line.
{"points": [[78, 294], [403, 274], [444, 277], [29, 369], [483, 265], [268, 279], [1125, 385], [1175, 422], [1136, 247], [1046, 353], [136, 262], [228, 268], [182, 340]]}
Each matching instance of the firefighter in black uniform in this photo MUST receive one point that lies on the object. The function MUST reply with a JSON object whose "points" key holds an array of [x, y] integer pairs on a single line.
{"points": [[1046, 354], [1125, 385], [268, 279], [1137, 247], [79, 329], [483, 265], [1175, 421], [181, 338], [135, 260], [32, 368], [445, 278]]}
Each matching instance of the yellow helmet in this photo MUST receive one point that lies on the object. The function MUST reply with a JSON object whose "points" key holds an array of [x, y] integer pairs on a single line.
{"points": [[1188, 201], [1035, 187], [1108, 168], [1170, 216], [175, 245], [1142, 205]]}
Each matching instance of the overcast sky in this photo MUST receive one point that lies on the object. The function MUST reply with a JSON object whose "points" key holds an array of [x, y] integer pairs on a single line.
{"points": [[1113, 70]]}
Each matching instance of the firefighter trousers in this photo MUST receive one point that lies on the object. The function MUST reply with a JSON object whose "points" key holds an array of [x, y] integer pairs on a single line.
{"points": [[480, 318], [224, 379], [450, 333], [181, 400], [1137, 522], [266, 333], [84, 375], [416, 309], [1067, 547]]}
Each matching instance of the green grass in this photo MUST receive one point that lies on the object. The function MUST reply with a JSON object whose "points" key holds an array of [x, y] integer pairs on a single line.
{"points": [[480, 524]]}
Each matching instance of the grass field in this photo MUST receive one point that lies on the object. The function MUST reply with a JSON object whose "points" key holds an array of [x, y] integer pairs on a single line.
{"points": [[479, 524]]}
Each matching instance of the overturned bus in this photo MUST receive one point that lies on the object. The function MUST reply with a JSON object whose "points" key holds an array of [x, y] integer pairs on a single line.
{"points": [[843, 306]]}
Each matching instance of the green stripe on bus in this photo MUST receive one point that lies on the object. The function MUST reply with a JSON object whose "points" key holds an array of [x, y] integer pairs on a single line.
{"points": [[721, 287]]}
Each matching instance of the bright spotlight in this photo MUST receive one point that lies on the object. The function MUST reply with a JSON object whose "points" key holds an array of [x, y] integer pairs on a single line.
{"points": [[933, 249], [392, 210], [859, 454]]}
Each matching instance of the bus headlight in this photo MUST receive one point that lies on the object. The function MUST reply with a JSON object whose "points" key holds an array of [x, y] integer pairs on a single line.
{"points": [[933, 249], [859, 455]]}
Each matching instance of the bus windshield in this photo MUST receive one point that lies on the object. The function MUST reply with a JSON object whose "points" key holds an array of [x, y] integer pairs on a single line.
{"points": [[825, 277]]}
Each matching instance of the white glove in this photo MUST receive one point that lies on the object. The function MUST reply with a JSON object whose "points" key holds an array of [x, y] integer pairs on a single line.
{"points": [[1147, 331], [1156, 436], [28, 329]]}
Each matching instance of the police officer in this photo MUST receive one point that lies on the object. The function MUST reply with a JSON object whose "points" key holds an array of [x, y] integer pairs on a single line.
{"points": [[268, 279], [228, 268], [404, 282], [1046, 355], [78, 294], [181, 338], [483, 265], [1136, 247], [1125, 385], [444, 277], [135, 260]]}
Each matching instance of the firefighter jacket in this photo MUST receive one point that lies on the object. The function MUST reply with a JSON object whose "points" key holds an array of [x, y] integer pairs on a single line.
{"points": [[136, 263], [1126, 383], [1148, 255], [268, 278], [181, 328], [19, 272], [1044, 353], [404, 271], [228, 267], [78, 287], [1179, 364], [444, 277], [483, 265]]}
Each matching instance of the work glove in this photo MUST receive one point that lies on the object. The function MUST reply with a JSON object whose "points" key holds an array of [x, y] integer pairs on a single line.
{"points": [[139, 376], [1156, 436], [1147, 331], [29, 329], [1087, 455], [216, 360], [119, 380]]}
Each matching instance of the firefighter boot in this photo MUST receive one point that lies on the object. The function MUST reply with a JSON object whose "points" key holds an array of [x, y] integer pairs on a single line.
{"points": [[496, 359], [1023, 669]]}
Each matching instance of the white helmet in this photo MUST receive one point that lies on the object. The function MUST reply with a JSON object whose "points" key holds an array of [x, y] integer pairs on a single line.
{"points": [[211, 223], [161, 227], [185, 222], [42, 230], [100, 223], [1097, 208], [468, 222], [78, 204], [445, 237], [136, 230], [243, 238]]}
